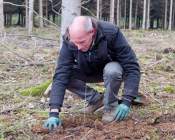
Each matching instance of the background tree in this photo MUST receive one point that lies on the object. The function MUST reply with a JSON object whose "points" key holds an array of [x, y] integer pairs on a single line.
{"points": [[31, 2], [144, 14], [171, 14], [41, 12], [130, 15], [166, 12], [112, 7], [148, 15], [118, 13], [1, 16], [99, 9], [27, 13]]}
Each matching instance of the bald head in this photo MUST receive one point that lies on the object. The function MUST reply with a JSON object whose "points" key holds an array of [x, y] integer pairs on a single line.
{"points": [[81, 32]]}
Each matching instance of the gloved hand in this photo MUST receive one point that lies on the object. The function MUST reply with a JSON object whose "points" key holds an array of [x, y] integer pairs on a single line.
{"points": [[52, 123], [122, 112]]}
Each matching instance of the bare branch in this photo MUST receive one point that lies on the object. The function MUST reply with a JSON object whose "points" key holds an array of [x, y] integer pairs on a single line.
{"points": [[18, 5], [92, 14]]}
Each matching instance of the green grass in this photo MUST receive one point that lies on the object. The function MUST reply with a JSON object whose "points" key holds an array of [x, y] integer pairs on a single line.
{"points": [[36, 90], [169, 89]]}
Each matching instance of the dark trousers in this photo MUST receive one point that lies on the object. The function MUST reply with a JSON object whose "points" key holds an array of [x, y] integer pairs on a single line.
{"points": [[112, 78]]}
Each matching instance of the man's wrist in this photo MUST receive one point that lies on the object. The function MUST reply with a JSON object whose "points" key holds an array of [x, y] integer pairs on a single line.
{"points": [[127, 100], [54, 112]]}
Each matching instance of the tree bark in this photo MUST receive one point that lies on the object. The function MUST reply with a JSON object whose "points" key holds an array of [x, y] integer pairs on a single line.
{"points": [[1, 16], [130, 15], [31, 3], [70, 9], [27, 13], [41, 12], [112, 7], [144, 15], [171, 13], [118, 13], [136, 13], [99, 9], [125, 16], [148, 16], [166, 10]]}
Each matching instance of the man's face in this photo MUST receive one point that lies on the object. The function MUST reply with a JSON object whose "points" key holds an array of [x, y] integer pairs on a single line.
{"points": [[83, 41], [81, 33]]}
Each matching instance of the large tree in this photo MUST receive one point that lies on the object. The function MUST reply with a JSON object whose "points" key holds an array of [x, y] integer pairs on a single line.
{"points": [[70, 9]]}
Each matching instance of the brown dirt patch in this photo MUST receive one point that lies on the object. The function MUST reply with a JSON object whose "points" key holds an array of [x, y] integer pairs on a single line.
{"points": [[90, 127]]}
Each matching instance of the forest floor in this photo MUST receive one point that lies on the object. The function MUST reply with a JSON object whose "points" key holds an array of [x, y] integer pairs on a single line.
{"points": [[26, 62]]}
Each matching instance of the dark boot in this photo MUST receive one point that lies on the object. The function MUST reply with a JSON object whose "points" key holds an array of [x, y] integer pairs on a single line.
{"points": [[110, 115], [91, 108]]}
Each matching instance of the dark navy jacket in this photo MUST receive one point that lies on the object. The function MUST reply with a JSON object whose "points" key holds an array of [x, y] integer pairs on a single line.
{"points": [[109, 45]]}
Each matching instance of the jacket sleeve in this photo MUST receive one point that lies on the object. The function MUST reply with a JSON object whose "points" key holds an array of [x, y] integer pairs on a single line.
{"points": [[61, 77], [127, 58]]}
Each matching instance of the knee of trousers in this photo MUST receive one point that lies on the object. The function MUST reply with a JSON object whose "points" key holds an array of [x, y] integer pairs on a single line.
{"points": [[113, 70]]}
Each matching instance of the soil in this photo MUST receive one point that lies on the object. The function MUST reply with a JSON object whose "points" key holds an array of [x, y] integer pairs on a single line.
{"points": [[90, 127]]}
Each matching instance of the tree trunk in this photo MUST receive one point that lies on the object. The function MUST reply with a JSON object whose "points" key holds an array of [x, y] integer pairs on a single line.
{"points": [[148, 16], [130, 15], [112, 7], [136, 14], [31, 3], [27, 13], [99, 9], [144, 15], [41, 12], [166, 10], [125, 16], [118, 13], [70, 9], [47, 15], [171, 13], [1, 16]]}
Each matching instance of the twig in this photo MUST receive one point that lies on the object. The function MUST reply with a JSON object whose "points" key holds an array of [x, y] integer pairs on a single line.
{"points": [[92, 14], [31, 36], [13, 108], [34, 64], [84, 138], [15, 52]]}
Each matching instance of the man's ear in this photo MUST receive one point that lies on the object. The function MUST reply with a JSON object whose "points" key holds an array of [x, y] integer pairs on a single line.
{"points": [[93, 31]]}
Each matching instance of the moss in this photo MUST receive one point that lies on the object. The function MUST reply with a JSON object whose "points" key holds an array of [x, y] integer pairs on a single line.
{"points": [[36, 90], [169, 89]]}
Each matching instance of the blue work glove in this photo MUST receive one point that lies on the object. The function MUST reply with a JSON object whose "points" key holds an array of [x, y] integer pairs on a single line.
{"points": [[122, 112], [52, 123]]}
